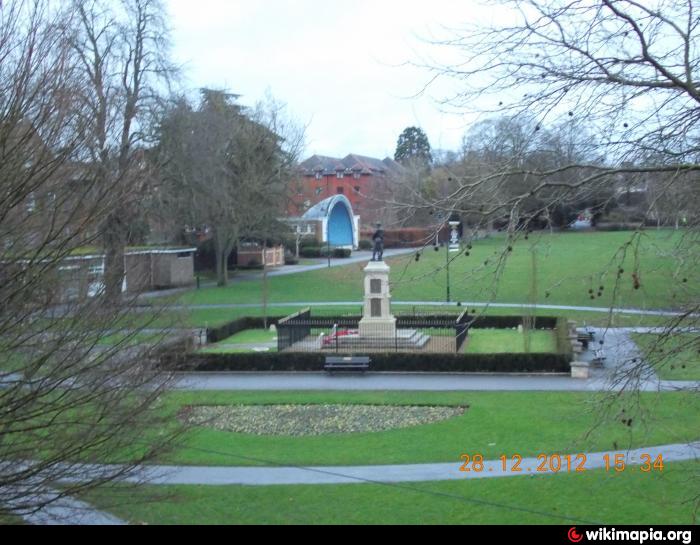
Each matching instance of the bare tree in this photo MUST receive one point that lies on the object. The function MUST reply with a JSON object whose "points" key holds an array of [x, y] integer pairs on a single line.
{"points": [[227, 168], [67, 396], [123, 49], [623, 71]]}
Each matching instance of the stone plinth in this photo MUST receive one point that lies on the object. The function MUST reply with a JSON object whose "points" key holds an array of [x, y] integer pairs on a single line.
{"points": [[377, 320], [580, 369]]}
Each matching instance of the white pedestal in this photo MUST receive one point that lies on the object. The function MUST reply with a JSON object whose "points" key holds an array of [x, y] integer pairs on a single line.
{"points": [[580, 369], [377, 320]]}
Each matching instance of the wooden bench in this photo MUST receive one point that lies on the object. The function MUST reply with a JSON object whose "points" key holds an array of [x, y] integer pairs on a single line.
{"points": [[350, 363]]}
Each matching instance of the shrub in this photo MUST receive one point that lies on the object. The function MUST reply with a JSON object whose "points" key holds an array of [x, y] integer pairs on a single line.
{"points": [[310, 251], [366, 245], [407, 237], [308, 242], [341, 253]]}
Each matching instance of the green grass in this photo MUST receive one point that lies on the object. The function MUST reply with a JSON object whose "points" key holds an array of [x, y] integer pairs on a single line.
{"points": [[568, 265], [130, 339], [216, 317], [595, 497], [496, 423], [677, 358], [8, 519], [232, 349], [507, 341], [252, 336], [232, 345]]}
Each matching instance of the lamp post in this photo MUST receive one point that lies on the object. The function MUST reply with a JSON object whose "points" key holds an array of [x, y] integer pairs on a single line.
{"points": [[451, 247], [447, 268]]}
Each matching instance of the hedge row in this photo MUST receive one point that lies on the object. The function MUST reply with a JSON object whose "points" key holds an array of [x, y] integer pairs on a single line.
{"points": [[388, 362], [321, 251], [510, 322], [225, 331], [407, 237], [481, 322]]}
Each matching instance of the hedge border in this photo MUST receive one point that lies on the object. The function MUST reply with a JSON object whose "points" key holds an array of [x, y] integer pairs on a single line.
{"points": [[382, 362]]}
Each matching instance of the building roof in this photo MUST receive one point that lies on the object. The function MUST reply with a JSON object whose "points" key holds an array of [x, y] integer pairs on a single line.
{"points": [[352, 163]]}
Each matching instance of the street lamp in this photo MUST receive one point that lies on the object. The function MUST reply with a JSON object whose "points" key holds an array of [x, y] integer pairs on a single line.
{"points": [[451, 246], [447, 269]]}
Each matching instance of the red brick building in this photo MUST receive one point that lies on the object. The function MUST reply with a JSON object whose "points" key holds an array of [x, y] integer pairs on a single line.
{"points": [[365, 182]]}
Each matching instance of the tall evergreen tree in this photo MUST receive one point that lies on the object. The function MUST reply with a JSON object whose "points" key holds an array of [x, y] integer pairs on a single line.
{"points": [[413, 146]]}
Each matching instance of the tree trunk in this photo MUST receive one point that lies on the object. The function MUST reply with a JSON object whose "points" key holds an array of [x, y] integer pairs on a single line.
{"points": [[114, 238], [221, 258]]}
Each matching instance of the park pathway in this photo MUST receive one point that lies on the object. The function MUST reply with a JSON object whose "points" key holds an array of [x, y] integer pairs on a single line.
{"points": [[61, 511], [464, 304], [266, 476], [287, 270], [442, 382], [624, 370]]}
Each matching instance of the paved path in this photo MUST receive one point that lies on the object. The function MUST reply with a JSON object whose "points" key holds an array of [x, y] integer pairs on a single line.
{"points": [[318, 264], [624, 370], [464, 305], [67, 511], [265, 476], [442, 382]]}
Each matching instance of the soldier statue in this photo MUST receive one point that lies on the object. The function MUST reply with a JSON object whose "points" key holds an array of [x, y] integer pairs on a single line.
{"points": [[378, 239]]}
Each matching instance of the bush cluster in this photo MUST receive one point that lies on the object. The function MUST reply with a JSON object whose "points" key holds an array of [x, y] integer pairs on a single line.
{"points": [[322, 251]]}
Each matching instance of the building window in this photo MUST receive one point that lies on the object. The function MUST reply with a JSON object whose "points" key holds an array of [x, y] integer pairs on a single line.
{"points": [[356, 175], [319, 190], [340, 175], [341, 191], [357, 188], [319, 175]]}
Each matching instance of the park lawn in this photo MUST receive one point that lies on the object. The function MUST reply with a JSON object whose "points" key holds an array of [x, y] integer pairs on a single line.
{"points": [[568, 266], [131, 339], [593, 498], [683, 364], [508, 341], [232, 345], [233, 349], [252, 336], [215, 317], [496, 423], [10, 519]]}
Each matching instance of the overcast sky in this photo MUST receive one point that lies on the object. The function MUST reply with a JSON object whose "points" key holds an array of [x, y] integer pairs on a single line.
{"points": [[335, 63]]}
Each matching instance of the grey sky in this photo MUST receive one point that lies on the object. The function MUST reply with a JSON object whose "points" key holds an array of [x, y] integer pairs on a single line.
{"points": [[333, 62]]}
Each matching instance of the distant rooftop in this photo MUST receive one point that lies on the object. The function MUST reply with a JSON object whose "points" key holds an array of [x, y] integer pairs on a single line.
{"points": [[352, 163]]}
